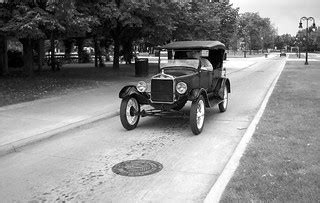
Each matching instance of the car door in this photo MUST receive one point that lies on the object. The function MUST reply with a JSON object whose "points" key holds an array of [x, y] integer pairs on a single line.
{"points": [[205, 74]]}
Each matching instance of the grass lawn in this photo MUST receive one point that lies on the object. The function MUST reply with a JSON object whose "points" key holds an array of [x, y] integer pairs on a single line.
{"points": [[282, 160], [15, 88]]}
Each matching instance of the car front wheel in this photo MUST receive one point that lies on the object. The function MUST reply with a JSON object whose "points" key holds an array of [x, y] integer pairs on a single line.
{"points": [[197, 115], [129, 110], [224, 104]]}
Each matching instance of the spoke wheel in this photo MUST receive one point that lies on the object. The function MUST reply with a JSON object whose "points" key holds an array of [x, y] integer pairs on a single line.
{"points": [[129, 110], [197, 115], [224, 104]]}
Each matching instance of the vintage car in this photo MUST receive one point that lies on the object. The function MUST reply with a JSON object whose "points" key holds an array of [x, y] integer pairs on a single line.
{"points": [[192, 72]]}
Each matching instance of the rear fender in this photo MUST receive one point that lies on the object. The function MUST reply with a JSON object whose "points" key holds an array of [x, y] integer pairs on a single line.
{"points": [[131, 91], [222, 82], [226, 81], [195, 93]]}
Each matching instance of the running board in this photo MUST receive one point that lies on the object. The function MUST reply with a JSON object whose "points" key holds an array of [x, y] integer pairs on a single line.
{"points": [[214, 101]]}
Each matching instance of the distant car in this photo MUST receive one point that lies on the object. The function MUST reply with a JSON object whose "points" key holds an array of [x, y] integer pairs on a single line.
{"points": [[283, 53], [192, 72]]}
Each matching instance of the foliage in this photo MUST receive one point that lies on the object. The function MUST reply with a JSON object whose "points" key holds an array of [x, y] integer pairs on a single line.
{"points": [[283, 41], [157, 29], [227, 19], [256, 31], [204, 21], [313, 39], [31, 22]]}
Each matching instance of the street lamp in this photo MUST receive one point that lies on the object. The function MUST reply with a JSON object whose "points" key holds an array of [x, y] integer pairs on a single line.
{"points": [[307, 33]]}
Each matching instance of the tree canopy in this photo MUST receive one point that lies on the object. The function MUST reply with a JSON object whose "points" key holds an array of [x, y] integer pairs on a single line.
{"points": [[124, 23], [256, 31]]}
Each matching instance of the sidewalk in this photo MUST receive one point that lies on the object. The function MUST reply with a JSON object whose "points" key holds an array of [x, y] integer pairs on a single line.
{"points": [[30, 122]]}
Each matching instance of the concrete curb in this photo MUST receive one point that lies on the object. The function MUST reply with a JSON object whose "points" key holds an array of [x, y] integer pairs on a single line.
{"points": [[219, 186], [12, 147]]}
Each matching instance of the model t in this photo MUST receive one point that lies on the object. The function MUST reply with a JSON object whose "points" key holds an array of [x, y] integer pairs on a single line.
{"points": [[192, 72]]}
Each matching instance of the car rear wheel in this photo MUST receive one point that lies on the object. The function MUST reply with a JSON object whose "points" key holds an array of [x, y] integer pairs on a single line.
{"points": [[224, 104], [197, 115], [129, 110]]}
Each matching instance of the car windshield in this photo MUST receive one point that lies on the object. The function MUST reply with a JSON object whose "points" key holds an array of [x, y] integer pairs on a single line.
{"points": [[191, 63]]}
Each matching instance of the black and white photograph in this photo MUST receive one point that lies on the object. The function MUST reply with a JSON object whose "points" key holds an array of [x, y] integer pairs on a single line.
{"points": [[159, 101]]}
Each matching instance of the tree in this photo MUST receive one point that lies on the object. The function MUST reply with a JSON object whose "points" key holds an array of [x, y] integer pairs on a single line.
{"points": [[228, 20], [120, 18], [157, 29], [30, 23], [87, 11], [5, 15], [76, 24], [204, 21], [284, 41], [256, 31], [316, 40]]}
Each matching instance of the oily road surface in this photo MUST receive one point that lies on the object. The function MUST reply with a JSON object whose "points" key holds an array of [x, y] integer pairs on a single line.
{"points": [[76, 165]]}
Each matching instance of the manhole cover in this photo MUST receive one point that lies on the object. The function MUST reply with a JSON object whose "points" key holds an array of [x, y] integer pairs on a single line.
{"points": [[137, 168]]}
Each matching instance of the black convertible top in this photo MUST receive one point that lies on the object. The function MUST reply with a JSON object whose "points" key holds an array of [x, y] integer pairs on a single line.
{"points": [[206, 45]]}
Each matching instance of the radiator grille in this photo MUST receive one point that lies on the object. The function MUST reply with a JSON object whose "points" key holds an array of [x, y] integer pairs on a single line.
{"points": [[162, 90]]}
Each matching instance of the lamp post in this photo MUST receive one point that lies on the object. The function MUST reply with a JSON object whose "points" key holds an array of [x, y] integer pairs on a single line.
{"points": [[307, 33]]}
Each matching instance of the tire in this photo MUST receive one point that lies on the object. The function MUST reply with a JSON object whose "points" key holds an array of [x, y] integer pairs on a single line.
{"points": [[197, 115], [128, 107], [224, 104]]}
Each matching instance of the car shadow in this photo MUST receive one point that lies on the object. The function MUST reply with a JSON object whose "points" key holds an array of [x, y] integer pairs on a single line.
{"points": [[175, 123]]}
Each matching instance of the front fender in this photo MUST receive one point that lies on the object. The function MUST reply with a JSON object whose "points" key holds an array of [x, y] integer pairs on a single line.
{"points": [[195, 93], [131, 91]]}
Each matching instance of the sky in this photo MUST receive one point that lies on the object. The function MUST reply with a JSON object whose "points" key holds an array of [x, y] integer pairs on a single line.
{"points": [[284, 14]]}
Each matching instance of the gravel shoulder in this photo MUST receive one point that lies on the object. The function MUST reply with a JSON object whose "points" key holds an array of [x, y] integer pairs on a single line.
{"points": [[281, 162]]}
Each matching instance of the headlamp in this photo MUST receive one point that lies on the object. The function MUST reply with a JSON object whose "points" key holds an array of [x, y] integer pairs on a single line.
{"points": [[181, 87]]}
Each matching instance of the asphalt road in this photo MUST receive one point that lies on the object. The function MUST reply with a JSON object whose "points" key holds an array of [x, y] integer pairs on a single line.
{"points": [[76, 165]]}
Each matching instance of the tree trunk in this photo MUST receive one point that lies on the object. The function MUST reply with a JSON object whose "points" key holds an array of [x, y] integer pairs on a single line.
{"points": [[127, 48], [80, 49], [116, 53], [53, 58], [101, 62], [3, 56], [27, 57], [68, 48], [95, 52], [41, 54]]}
